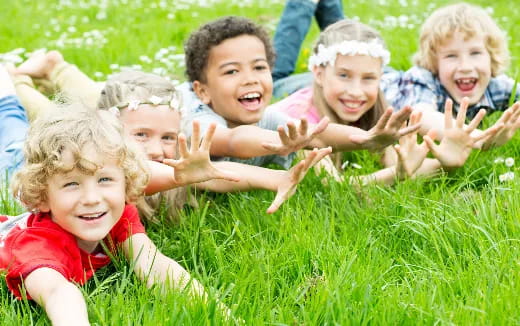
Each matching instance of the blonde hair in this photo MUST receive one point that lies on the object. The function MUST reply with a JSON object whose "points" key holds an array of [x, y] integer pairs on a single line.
{"points": [[348, 30], [128, 86], [69, 129], [471, 21]]}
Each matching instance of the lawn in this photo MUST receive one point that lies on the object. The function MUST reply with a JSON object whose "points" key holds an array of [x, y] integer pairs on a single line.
{"points": [[444, 250]]}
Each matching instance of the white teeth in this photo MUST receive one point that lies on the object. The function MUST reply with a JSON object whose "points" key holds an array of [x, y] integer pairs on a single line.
{"points": [[466, 81], [251, 95], [92, 215]]}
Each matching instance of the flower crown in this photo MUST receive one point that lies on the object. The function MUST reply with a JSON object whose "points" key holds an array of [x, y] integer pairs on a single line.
{"points": [[327, 55], [174, 103]]}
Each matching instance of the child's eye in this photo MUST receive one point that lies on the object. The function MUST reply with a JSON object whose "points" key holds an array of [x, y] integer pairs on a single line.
{"points": [[169, 138], [450, 56], [140, 135], [476, 52], [70, 184], [343, 75], [231, 72], [105, 179], [261, 67]]}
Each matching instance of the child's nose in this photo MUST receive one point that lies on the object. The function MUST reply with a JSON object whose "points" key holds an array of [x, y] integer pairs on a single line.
{"points": [[90, 194], [250, 77], [154, 151], [465, 64], [354, 88]]}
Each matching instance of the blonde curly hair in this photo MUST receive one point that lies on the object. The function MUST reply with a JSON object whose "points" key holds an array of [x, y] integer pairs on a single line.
{"points": [[471, 21], [69, 129]]}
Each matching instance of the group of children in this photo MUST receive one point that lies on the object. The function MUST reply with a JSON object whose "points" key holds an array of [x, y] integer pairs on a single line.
{"points": [[85, 166]]}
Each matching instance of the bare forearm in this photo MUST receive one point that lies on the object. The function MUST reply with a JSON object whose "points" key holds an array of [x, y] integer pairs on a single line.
{"points": [[338, 137], [62, 300], [161, 178], [66, 306], [242, 142], [386, 176], [251, 177]]}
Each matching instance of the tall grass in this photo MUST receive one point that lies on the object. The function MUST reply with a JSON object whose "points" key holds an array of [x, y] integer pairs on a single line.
{"points": [[438, 251]]}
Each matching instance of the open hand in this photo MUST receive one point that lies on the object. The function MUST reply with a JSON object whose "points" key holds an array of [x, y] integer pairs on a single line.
{"points": [[511, 121], [458, 141], [295, 138], [194, 165], [293, 176], [388, 130], [410, 154]]}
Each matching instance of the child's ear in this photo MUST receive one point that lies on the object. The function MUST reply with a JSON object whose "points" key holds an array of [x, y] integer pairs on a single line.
{"points": [[43, 207], [202, 92], [318, 72]]}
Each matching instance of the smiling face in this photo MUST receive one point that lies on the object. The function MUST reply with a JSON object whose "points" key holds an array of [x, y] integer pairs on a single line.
{"points": [[85, 205], [238, 83], [464, 67], [155, 129], [350, 87]]}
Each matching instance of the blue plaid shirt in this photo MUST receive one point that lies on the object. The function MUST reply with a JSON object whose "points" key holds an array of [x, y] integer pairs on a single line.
{"points": [[418, 85]]}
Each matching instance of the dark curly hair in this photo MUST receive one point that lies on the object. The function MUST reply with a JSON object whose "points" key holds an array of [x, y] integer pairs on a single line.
{"points": [[214, 33]]}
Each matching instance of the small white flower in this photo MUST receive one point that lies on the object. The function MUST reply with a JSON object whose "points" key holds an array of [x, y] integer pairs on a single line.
{"points": [[498, 160], [175, 102], [114, 66], [114, 110], [356, 166], [508, 176], [155, 100], [132, 105], [344, 165], [509, 162], [98, 74]]}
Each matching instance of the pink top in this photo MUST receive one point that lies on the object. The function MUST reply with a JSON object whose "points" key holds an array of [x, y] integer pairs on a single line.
{"points": [[299, 105]]}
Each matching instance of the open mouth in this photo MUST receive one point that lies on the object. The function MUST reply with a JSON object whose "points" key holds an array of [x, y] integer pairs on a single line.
{"points": [[251, 101], [92, 217], [466, 84], [352, 106]]}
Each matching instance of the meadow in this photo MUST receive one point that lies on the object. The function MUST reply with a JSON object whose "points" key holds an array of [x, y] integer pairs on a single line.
{"points": [[444, 250]]}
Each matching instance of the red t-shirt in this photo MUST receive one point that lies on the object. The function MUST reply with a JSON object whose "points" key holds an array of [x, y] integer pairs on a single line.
{"points": [[36, 241]]}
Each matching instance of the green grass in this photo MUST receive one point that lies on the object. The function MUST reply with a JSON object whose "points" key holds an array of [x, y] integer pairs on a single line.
{"points": [[439, 251]]}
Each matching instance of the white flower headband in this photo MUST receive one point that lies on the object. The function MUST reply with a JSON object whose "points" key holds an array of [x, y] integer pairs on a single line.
{"points": [[327, 55], [174, 103]]}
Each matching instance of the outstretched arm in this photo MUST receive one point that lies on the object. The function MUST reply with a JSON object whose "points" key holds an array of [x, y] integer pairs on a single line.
{"points": [[62, 300], [282, 182], [193, 166], [386, 132]]}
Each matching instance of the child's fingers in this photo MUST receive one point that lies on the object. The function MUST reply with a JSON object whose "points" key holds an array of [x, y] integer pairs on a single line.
{"points": [[183, 146], [400, 116], [206, 141], [490, 132], [171, 162], [415, 118], [283, 135], [304, 126], [293, 134], [476, 121], [409, 129], [195, 136], [448, 114], [461, 116], [383, 120], [320, 154], [321, 126], [434, 149]]}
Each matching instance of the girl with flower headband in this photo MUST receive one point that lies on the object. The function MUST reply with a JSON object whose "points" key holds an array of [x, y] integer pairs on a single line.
{"points": [[149, 108], [347, 65]]}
